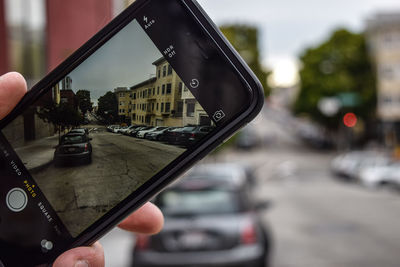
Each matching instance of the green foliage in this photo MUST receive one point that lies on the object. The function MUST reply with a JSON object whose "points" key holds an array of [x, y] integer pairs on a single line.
{"points": [[62, 116], [108, 108], [245, 40], [338, 66], [84, 102]]}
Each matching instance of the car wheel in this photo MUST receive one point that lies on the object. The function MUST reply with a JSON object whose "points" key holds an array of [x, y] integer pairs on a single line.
{"points": [[57, 163], [89, 160]]}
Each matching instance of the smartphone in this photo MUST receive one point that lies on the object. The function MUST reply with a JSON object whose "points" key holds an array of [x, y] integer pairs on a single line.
{"points": [[144, 99]]}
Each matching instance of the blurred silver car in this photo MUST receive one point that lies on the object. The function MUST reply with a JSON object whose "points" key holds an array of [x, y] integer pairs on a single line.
{"points": [[209, 221], [350, 164], [376, 176]]}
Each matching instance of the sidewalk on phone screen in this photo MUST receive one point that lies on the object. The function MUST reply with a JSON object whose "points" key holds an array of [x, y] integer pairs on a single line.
{"points": [[38, 154]]}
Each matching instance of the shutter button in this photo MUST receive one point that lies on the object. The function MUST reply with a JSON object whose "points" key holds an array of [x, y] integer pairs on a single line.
{"points": [[16, 199]]}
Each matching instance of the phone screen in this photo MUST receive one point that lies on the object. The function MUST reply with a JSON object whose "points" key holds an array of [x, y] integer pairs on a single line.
{"points": [[109, 125]]}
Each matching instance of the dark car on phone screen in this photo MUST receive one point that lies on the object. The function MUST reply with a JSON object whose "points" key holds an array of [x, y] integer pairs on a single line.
{"points": [[171, 137], [192, 134], [158, 135], [208, 222], [73, 148]]}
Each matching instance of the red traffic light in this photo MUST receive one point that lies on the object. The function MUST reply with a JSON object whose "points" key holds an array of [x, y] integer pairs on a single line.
{"points": [[350, 119]]}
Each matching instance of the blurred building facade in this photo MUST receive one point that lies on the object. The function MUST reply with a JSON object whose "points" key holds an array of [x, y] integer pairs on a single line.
{"points": [[34, 51], [383, 32], [71, 23], [3, 40]]}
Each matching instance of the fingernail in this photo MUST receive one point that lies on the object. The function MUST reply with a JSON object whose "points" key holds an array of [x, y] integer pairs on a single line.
{"points": [[81, 263]]}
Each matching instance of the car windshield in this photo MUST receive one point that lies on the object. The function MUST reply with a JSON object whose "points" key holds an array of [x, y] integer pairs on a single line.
{"points": [[188, 129], [73, 139], [215, 201]]}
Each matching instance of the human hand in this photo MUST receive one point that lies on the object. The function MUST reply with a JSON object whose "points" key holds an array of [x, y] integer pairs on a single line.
{"points": [[146, 220]]}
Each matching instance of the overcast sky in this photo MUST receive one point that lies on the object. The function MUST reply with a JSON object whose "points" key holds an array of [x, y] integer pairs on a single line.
{"points": [[132, 66], [286, 26], [289, 26]]}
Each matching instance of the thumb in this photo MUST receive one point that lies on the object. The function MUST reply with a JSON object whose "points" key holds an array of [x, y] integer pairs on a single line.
{"points": [[12, 89], [82, 257]]}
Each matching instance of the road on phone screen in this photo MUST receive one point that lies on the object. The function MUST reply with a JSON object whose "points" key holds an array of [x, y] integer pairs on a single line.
{"points": [[82, 193]]}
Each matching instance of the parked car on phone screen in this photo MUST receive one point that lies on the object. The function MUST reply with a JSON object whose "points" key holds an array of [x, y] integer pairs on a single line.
{"points": [[171, 137], [143, 133], [191, 134], [135, 131], [157, 135], [209, 221], [125, 130], [79, 130], [73, 147]]}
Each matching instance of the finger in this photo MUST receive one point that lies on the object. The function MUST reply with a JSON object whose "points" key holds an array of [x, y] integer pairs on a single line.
{"points": [[146, 220], [92, 256], [12, 89]]}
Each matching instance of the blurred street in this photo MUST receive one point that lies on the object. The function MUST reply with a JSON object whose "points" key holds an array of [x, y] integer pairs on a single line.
{"points": [[316, 219]]}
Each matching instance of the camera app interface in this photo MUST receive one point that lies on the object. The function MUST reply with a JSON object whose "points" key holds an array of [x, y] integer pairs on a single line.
{"points": [[107, 127]]}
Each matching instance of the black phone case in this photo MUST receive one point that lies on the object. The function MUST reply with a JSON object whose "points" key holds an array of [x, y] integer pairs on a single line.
{"points": [[168, 175]]}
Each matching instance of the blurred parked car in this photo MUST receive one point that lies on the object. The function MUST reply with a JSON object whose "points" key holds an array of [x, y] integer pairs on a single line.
{"points": [[374, 177], [236, 173], [350, 164], [247, 138], [209, 221], [73, 147]]}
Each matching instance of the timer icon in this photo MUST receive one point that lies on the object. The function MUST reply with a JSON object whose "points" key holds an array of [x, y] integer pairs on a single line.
{"points": [[194, 83]]}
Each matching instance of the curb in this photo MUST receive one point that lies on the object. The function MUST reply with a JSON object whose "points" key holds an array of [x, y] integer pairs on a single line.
{"points": [[40, 167]]}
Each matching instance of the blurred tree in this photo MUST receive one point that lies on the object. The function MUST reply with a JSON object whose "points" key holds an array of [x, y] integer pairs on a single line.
{"points": [[245, 40], [339, 67], [108, 108], [84, 102]]}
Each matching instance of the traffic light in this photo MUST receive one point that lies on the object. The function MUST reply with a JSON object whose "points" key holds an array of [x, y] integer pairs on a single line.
{"points": [[350, 119]]}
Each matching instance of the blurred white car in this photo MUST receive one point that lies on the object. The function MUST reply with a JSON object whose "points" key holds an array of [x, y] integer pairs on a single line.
{"points": [[374, 177], [350, 164]]}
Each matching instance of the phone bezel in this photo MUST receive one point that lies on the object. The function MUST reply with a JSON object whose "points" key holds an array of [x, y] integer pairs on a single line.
{"points": [[168, 175]]}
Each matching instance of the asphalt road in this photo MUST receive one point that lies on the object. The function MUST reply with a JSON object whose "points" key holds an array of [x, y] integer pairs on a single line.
{"points": [[82, 193], [316, 220]]}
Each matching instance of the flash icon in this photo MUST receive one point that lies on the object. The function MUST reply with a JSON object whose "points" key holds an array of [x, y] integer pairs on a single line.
{"points": [[145, 19]]}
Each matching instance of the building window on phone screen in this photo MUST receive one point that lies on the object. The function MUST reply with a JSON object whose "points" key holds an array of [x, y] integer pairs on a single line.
{"points": [[159, 73], [190, 109], [162, 107], [167, 107], [169, 87], [169, 70], [163, 89], [164, 71], [157, 107]]}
